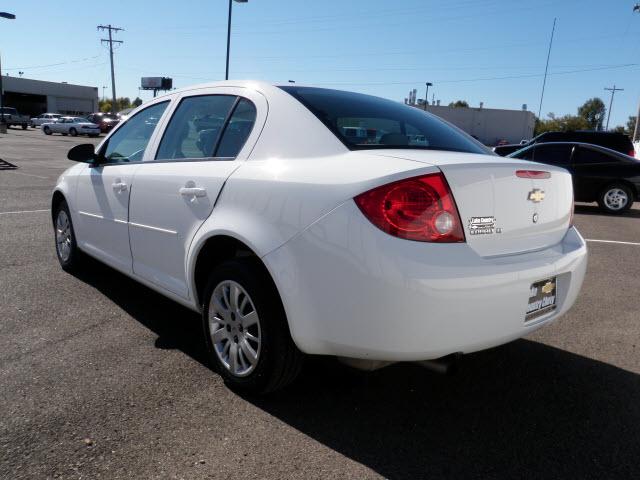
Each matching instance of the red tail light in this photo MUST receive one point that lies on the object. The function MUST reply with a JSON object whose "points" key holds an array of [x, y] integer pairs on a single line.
{"points": [[632, 153], [418, 208]]}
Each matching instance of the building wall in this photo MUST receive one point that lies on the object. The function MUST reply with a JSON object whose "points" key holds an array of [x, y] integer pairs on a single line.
{"points": [[60, 97], [489, 125]]}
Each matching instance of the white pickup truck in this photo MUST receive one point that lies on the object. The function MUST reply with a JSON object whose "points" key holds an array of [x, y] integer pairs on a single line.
{"points": [[12, 117]]}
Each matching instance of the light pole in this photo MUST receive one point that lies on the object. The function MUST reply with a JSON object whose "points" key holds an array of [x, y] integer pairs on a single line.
{"points": [[426, 96], [103, 89], [8, 16], [226, 75]]}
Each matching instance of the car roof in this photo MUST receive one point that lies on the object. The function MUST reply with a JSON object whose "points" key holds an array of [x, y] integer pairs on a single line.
{"points": [[590, 146]]}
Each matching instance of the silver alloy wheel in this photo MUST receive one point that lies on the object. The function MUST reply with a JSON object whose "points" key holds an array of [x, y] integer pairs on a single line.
{"points": [[234, 327], [63, 236], [616, 199]]}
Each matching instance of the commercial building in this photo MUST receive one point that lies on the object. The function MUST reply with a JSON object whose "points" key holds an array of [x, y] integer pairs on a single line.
{"points": [[33, 97], [489, 125]]}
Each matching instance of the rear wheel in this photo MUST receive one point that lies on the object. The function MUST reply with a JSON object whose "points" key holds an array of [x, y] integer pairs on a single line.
{"points": [[47, 131], [69, 256], [24, 126], [616, 198], [246, 329], [73, 132]]}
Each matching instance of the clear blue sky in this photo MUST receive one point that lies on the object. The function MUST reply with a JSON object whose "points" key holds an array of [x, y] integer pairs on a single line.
{"points": [[492, 51]]}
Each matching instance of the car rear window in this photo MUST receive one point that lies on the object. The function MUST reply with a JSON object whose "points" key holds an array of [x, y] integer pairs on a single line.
{"points": [[366, 122]]}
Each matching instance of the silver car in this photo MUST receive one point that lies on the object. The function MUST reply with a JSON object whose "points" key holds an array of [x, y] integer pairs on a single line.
{"points": [[45, 118], [73, 126]]}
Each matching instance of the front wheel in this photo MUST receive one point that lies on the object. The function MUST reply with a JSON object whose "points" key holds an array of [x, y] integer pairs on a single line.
{"points": [[73, 132], [616, 198], [24, 126], [246, 330], [69, 256], [47, 131]]}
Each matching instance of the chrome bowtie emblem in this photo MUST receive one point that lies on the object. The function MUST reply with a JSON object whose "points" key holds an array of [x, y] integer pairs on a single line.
{"points": [[536, 195], [548, 287]]}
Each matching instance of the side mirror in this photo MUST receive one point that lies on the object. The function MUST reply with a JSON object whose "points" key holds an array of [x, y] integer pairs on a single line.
{"points": [[84, 153]]}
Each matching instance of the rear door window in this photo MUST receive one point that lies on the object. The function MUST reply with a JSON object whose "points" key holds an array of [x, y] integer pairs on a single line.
{"points": [[588, 156], [552, 154], [237, 130], [195, 127]]}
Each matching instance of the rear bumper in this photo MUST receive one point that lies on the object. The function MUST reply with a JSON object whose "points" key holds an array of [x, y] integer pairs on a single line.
{"points": [[353, 291]]}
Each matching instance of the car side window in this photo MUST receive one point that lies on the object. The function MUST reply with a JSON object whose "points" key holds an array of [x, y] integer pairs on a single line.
{"points": [[587, 156], [237, 129], [552, 154], [195, 127], [129, 142]]}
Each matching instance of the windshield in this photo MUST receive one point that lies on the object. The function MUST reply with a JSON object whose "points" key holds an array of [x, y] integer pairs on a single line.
{"points": [[368, 122], [9, 110], [108, 116]]}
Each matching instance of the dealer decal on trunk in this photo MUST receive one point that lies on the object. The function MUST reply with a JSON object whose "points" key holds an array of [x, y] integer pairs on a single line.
{"points": [[483, 226]]}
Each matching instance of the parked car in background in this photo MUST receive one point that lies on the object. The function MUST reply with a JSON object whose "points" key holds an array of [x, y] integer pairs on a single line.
{"points": [[106, 121], [124, 114], [72, 126], [290, 235], [615, 141], [45, 118], [13, 118], [599, 174]]}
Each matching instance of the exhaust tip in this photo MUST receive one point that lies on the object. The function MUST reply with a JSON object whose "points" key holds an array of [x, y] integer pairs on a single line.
{"points": [[447, 365]]}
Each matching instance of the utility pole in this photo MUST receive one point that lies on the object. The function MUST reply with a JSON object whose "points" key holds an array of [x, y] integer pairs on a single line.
{"points": [[111, 41], [636, 131], [546, 68], [613, 92]]}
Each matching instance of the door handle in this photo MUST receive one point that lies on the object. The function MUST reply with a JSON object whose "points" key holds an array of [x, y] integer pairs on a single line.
{"points": [[119, 187], [193, 192]]}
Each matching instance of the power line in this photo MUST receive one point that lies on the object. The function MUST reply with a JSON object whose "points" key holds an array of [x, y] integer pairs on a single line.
{"points": [[111, 41], [546, 68]]}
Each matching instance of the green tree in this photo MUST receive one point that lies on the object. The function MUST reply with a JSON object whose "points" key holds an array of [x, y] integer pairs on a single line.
{"points": [[631, 125], [459, 104], [560, 124], [104, 105], [593, 111], [137, 102]]}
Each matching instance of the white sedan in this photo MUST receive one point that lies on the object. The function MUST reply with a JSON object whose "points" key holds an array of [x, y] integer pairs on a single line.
{"points": [[73, 126], [45, 118], [251, 204]]}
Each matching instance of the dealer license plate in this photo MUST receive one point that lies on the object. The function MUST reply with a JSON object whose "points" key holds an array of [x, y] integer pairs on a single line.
{"points": [[542, 299]]}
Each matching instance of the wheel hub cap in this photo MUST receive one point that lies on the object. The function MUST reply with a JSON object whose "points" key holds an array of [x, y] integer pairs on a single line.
{"points": [[63, 235], [616, 199], [234, 326]]}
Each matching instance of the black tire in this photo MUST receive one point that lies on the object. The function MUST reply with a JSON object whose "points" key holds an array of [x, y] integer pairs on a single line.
{"points": [[24, 126], [75, 258], [47, 131], [93, 135], [606, 205], [279, 360], [73, 132]]}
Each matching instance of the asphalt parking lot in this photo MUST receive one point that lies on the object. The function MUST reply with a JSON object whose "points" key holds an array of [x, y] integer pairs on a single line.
{"points": [[102, 378]]}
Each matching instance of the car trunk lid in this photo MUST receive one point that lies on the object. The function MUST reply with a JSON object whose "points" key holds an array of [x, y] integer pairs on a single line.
{"points": [[503, 213]]}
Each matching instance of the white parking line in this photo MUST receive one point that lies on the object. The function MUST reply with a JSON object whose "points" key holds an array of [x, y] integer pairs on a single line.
{"points": [[612, 241], [25, 211], [28, 174]]}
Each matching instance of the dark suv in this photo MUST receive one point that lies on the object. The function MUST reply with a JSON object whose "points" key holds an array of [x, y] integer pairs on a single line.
{"points": [[615, 141]]}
